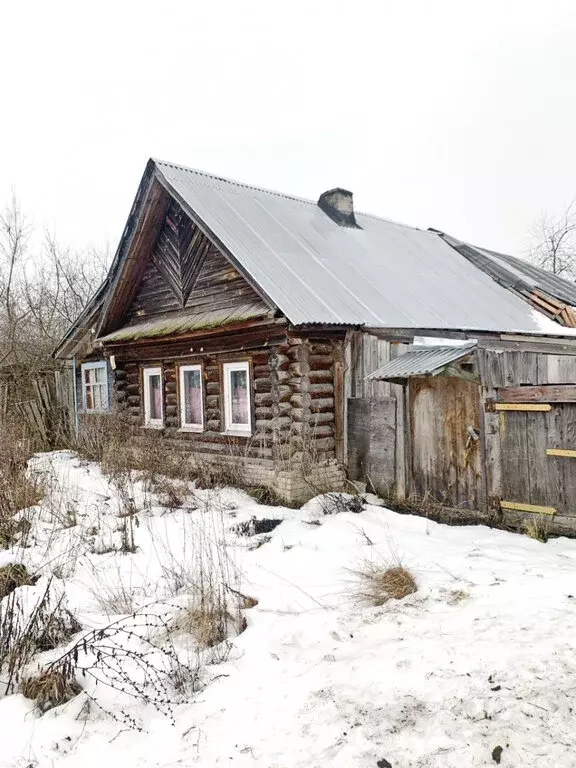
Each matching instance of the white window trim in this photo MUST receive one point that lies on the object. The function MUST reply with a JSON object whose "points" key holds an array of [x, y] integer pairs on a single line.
{"points": [[147, 373], [184, 427], [229, 427], [88, 366]]}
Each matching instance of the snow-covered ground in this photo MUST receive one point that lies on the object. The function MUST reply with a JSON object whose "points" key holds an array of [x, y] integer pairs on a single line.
{"points": [[482, 656]]}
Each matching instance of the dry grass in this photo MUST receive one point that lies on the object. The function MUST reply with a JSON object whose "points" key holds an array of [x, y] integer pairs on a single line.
{"points": [[537, 528], [208, 627], [50, 689], [381, 583], [12, 576]]}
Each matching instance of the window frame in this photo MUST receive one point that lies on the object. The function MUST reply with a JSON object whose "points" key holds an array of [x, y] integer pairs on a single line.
{"points": [[90, 367], [184, 426], [147, 373], [241, 430]]}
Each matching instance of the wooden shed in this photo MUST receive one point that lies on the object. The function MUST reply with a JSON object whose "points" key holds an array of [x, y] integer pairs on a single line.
{"points": [[488, 426]]}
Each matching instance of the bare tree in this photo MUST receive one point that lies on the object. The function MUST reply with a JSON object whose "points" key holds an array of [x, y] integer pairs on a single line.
{"points": [[554, 243]]}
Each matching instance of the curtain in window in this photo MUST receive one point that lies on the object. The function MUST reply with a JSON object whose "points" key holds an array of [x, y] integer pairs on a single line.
{"points": [[192, 397], [239, 387], [155, 396]]}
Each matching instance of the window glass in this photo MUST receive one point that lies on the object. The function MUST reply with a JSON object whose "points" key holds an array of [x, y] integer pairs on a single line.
{"points": [[153, 409], [94, 384], [155, 396], [191, 394], [239, 392], [237, 397]]}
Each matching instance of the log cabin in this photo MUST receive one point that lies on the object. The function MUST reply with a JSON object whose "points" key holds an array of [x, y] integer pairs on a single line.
{"points": [[315, 346]]}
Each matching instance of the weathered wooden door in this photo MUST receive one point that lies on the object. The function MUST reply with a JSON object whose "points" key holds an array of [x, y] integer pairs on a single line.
{"points": [[444, 439], [538, 459]]}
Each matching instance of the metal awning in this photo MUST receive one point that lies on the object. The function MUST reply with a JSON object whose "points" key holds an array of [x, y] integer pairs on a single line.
{"points": [[422, 361]]}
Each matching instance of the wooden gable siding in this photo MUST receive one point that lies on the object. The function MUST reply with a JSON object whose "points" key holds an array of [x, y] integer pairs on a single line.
{"points": [[186, 270]]}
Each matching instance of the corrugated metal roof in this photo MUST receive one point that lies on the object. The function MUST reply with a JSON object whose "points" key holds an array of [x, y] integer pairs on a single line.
{"points": [[381, 275], [173, 324], [549, 283], [421, 361]]}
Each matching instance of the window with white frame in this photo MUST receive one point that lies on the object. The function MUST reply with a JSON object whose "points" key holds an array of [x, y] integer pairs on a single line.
{"points": [[94, 387], [191, 403], [153, 409], [237, 398]]}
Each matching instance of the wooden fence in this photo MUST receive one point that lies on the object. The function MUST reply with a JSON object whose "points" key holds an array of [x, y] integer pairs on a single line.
{"points": [[49, 413]]}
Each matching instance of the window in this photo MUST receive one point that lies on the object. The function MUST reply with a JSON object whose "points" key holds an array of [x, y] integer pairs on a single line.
{"points": [[94, 387], [153, 416], [237, 397], [191, 405]]}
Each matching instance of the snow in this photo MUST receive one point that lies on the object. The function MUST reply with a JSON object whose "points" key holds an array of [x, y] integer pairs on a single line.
{"points": [[435, 341], [550, 327], [481, 656]]}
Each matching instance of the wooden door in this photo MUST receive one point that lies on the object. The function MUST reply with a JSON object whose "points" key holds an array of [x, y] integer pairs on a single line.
{"points": [[537, 466], [444, 440]]}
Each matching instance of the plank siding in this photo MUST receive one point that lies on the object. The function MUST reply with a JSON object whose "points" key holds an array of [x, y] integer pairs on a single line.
{"points": [[186, 271]]}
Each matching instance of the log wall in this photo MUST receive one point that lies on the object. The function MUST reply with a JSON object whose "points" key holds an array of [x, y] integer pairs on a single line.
{"points": [[293, 394]]}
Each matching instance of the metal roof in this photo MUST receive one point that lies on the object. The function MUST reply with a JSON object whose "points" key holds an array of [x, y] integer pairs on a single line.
{"points": [[383, 274], [549, 283], [184, 322], [422, 361]]}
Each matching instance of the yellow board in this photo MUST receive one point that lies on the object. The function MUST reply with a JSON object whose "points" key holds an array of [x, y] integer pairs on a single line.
{"points": [[527, 507], [522, 406], [561, 452]]}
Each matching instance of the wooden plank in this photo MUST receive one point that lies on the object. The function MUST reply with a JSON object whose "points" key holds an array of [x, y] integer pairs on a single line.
{"points": [[527, 507], [358, 436], [543, 393], [381, 469], [522, 407], [568, 453]]}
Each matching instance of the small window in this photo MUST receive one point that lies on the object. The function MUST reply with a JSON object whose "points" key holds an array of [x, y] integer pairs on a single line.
{"points": [[191, 405], [153, 414], [94, 387], [237, 397]]}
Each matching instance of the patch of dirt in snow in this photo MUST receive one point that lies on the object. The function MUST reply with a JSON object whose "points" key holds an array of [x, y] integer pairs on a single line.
{"points": [[478, 666]]}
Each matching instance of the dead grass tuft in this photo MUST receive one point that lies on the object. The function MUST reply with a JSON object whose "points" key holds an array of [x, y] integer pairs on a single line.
{"points": [[209, 627], [381, 583], [537, 528], [50, 689], [12, 576]]}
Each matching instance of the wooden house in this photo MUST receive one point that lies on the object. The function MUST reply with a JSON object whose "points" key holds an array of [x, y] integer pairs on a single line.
{"points": [[306, 342]]}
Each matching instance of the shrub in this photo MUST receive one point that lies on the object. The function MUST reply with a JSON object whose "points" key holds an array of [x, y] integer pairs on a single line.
{"points": [[381, 583]]}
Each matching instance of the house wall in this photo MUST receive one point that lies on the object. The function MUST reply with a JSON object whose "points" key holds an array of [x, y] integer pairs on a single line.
{"points": [[295, 399]]}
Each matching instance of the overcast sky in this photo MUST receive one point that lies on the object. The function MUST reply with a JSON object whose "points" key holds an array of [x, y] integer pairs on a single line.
{"points": [[454, 114]]}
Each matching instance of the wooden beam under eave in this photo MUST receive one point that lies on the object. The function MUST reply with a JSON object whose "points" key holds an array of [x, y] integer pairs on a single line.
{"points": [[522, 407]]}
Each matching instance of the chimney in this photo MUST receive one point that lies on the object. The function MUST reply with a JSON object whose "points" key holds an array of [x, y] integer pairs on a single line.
{"points": [[337, 203]]}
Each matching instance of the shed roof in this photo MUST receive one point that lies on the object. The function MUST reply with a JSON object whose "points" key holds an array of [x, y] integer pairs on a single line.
{"points": [[422, 361], [381, 275]]}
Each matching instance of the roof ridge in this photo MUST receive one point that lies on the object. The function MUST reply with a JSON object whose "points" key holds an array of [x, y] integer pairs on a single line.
{"points": [[274, 192]]}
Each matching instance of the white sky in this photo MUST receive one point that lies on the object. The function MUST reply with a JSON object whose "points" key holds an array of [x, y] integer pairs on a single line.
{"points": [[454, 114]]}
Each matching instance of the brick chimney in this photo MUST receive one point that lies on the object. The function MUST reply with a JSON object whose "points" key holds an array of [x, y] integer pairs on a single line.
{"points": [[337, 203]]}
